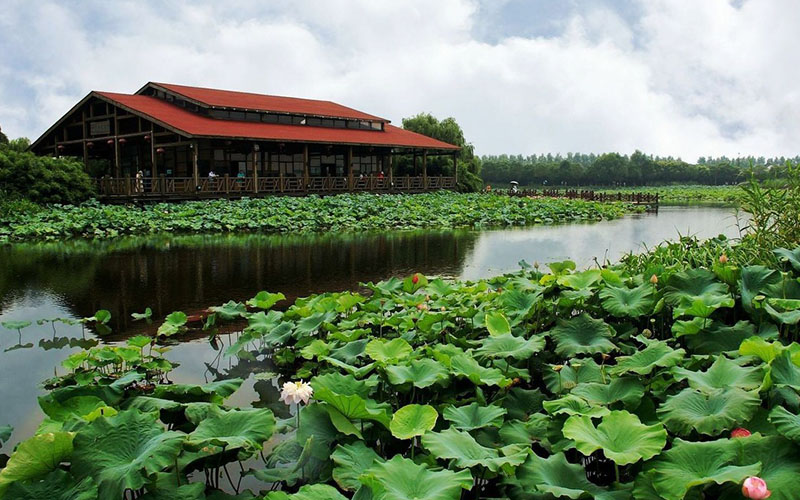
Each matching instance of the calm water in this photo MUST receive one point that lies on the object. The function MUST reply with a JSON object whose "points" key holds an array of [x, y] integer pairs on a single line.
{"points": [[194, 272]]}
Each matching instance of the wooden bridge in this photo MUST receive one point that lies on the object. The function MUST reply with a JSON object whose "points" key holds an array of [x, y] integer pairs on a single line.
{"points": [[650, 199], [187, 188]]}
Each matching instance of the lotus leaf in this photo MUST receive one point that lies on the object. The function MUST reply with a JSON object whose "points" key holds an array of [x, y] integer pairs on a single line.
{"points": [[525, 432], [627, 390], [621, 436], [702, 306], [568, 376], [687, 465], [628, 302], [582, 335], [580, 281], [390, 351], [36, 457], [784, 372], [519, 304], [421, 373], [16, 325], [315, 423], [413, 420], [780, 465], [573, 405], [401, 479], [510, 346], [122, 451], [791, 257], [559, 478], [243, 430], [691, 284], [265, 300], [349, 396], [308, 492], [783, 311], [656, 354], [5, 433], [756, 280], [466, 452], [57, 485], [722, 374], [717, 338], [174, 323], [351, 461], [147, 314], [522, 403], [474, 416], [213, 392], [787, 423], [463, 365], [316, 349], [497, 324], [708, 413], [756, 346]]}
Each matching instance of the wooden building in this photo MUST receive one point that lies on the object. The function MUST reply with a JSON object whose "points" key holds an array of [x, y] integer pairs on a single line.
{"points": [[174, 141]]}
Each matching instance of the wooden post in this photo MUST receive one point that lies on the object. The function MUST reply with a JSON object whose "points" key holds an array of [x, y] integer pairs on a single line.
{"points": [[391, 181], [455, 167], [195, 169], [153, 157], [415, 163], [350, 168], [117, 166], [256, 153], [85, 148], [425, 169], [163, 185], [305, 167]]}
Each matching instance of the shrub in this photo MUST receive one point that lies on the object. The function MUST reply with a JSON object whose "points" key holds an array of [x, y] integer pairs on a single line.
{"points": [[43, 179]]}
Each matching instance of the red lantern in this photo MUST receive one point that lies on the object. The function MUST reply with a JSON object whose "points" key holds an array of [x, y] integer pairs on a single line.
{"points": [[160, 150], [147, 138], [122, 141], [110, 142], [90, 144], [61, 147]]}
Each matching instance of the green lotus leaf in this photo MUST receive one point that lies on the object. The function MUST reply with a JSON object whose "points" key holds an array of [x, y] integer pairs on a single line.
{"points": [[439, 287], [510, 346], [243, 430], [526, 432], [171, 486], [691, 284], [400, 479], [656, 354], [229, 311], [783, 372], [786, 422], [627, 390], [147, 314], [265, 300], [628, 302], [316, 349], [140, 341], [174, 323], [57, 485], [315, 424], [75, 407], [702, 306], [708, 413], [474, 416], [621, 435], [464, 365], [581, 280], [16, 325], [780, 465], [36, 457], [391, 351], [465, 452], [693, 326], [522, 403], [5, 433], [723, 373], [308, 492], [582, 335], [356, 371], [352, 460], [716, 338], [756, 280], [519, 304], [413, 420], [687, 465], [559, 478], [789, 256], [783, 311], [349, 396], [756, 346], [421, 373], [120, 452], [213, 392], [574, 405], [561, 267], [568, 376], [497, 324], [409, 286]]}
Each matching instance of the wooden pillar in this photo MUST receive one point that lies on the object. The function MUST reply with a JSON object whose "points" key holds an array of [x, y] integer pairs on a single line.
{"points": [[305, 167], [455, 166], [153, 157], [415, 163], [195, 169], [350, 168], [85, 148], [117, 166], [256, 154], [391, 182], [425, 169]]}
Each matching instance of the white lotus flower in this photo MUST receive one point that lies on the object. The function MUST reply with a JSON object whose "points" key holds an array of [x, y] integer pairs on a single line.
{"points": [[295, 392]]}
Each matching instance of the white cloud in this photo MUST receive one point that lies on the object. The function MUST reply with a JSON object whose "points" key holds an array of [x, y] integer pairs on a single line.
{"points": [[688, 78]]}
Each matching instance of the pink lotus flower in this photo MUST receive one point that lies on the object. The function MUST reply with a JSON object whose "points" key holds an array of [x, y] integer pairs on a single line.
{"points": [[740, 432], [723, 259], [415, 279], [654, 279], [755, 487], [295, 392]]}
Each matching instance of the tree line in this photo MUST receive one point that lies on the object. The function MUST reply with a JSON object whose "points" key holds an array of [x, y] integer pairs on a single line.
{"points": [[638, 169]]}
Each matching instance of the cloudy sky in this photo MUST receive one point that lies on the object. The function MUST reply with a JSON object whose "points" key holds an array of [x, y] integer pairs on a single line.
{"points": [[671, 77]]}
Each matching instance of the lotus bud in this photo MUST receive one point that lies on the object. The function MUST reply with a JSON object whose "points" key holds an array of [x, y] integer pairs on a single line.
{"points": [[654, 279], [723, 259], [755, 487], [427, 298], [415, 279], [605, 357], [557, 368], [740, 432], [516, 380], [443, 308], [647, 333], [536, 265]]}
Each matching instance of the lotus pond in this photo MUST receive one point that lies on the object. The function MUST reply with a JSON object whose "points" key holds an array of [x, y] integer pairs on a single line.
{"points": [[509, 386]]}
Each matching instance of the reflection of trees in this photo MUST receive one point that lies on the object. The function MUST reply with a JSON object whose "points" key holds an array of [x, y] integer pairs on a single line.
{"points": [[192, 272]]}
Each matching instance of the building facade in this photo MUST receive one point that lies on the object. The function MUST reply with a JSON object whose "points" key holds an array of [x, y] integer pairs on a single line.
{"points": [[174, 141]]}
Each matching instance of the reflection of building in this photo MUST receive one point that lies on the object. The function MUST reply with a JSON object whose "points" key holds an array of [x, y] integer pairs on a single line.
{"points": [[176, 141]]}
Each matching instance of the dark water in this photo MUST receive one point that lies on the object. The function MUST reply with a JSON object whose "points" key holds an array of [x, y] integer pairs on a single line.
{"points": [[190, 273]]}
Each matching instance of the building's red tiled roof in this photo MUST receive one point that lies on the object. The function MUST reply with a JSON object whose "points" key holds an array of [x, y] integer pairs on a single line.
{"points": [[201, 126], [260, 102]]}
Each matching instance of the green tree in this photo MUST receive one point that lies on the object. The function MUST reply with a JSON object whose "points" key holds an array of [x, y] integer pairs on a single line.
{"points": [[3, 138], [449, 131], [42, 179]]}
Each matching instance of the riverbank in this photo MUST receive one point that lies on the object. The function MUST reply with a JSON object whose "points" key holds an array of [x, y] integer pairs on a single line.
{"points": [[347, 212]]}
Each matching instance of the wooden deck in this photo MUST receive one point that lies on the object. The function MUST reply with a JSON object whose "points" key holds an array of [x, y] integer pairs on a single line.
{"points": [[189, 188]]}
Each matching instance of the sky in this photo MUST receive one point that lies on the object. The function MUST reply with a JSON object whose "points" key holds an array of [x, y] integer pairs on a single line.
{"points": [[682, 78]]}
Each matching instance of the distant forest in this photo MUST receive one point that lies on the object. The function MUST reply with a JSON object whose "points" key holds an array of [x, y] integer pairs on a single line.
{"points": [[613, 169]]}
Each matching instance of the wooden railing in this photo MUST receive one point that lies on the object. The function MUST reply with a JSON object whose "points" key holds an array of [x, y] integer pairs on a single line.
{"points": [[225, 186], [588, 195]]}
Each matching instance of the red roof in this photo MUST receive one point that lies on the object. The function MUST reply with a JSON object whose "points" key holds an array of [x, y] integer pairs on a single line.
{"points": [[260, 102], [202, 126]]}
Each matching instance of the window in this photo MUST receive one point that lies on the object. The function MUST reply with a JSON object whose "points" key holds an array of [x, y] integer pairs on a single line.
{"points": [[285, 119], [237, 115], [252, 117], [269, 118]]}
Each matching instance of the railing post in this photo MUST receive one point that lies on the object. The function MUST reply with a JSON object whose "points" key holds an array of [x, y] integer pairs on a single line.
{"points": [[227, 184], [163, 185], [128, 185]]}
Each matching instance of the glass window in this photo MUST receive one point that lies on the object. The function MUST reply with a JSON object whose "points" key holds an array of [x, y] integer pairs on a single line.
{"points": [[237, 115], [269, 118], [298, 120], [252, 117], [377, 126], [285, 119], [339, 124], [315, 122]]}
